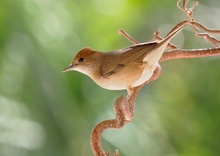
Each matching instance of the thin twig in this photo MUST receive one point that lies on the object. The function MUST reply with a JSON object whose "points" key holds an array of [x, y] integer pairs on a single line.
{"points": [[157, 38], [211, 31], [187, 11], [206, 36], [123, 33]]}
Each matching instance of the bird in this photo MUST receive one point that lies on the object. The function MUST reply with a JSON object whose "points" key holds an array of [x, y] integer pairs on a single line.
{"points": [[122, 69]]}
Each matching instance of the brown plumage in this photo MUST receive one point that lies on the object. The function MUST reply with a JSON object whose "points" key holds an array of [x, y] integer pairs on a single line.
{"points": [[122, 69]]}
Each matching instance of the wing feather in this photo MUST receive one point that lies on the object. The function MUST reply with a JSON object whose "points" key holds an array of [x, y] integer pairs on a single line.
{"points": [[113, 64]]}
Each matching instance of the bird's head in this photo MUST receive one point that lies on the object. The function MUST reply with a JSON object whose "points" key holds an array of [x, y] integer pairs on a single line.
{"points": [[84, 61]]}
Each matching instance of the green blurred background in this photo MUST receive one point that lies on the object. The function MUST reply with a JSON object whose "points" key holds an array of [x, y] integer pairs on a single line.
{"points": [[44, 112]]}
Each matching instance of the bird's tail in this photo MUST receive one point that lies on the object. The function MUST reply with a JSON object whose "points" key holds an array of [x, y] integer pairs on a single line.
{"points": [[172, 33], [159, 48]]}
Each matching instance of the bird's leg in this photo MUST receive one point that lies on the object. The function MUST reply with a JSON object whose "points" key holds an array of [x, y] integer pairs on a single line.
{"points": [[130, 91]]}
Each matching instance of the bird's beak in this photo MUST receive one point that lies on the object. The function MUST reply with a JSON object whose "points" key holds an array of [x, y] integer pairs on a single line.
{"points": [[71, 67]]}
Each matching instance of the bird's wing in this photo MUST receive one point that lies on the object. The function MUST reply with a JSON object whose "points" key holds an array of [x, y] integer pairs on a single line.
{"points": [[125, 59]]}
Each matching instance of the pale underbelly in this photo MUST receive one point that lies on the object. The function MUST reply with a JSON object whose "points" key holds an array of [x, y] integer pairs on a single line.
{"points": [[123, 84]]}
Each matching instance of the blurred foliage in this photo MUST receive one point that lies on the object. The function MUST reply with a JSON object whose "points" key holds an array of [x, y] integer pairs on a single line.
{"points": [[46, 113]]}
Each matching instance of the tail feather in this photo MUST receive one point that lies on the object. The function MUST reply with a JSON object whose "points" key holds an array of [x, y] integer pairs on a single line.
{"points": [[173, 32], [159, 48]]}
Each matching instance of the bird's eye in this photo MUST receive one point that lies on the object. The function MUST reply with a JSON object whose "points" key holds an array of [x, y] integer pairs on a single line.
{"points": [[81, 59]]}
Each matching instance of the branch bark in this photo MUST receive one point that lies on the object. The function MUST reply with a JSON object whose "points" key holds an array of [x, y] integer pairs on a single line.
{"points": [[190, 53], [124, 107]]}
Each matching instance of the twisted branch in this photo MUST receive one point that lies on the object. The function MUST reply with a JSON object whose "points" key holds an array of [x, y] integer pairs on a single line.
{"points": [[123, 107]]}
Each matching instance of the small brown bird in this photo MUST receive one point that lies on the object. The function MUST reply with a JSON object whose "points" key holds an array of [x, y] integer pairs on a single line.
{"points": [[122, 69]]}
